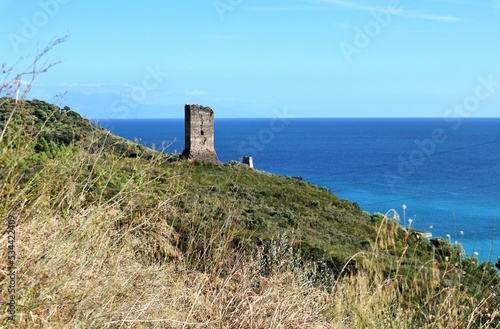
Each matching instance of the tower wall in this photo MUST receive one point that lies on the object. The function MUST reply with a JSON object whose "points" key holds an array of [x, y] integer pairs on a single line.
{"points": [[199, 133], [248, 161]]}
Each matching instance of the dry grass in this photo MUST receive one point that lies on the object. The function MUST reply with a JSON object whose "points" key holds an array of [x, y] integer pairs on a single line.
{"points": [[78, 273], [96, 265]]}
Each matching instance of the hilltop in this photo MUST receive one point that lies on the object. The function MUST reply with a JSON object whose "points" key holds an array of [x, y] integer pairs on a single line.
{"points": [[112, 233]]}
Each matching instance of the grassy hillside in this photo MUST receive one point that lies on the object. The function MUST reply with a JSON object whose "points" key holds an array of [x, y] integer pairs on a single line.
{"points": [[111, 234]]}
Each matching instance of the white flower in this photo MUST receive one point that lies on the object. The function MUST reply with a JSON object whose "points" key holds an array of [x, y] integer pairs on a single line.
{"points": [[448, 236], [461, 232]]}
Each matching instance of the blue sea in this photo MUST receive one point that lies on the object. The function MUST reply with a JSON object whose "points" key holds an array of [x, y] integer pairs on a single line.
{"points": [[445, 173]]}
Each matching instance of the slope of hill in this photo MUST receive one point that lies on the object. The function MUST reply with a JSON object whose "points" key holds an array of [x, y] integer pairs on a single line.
{"points": [[110, 234]]}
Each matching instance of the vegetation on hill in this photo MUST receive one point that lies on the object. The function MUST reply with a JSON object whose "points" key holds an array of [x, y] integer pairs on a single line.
{"points": [[110, 234]]}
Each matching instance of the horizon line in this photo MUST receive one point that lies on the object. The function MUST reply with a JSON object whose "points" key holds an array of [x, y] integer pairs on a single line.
{"points": [[301, 117]]}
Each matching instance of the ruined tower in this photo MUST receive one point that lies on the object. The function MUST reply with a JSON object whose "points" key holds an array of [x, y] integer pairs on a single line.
{"points": [[199, 133]]}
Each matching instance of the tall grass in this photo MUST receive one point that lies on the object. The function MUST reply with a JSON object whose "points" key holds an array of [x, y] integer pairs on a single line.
{"points": [[397, 294], [87, 261]]}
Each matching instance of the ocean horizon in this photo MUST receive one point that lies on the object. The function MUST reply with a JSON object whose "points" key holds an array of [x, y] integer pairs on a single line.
{"points": [[441, 175]]}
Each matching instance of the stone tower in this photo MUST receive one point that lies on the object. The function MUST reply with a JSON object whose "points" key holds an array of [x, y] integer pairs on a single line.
{"points": [[199, 133]]}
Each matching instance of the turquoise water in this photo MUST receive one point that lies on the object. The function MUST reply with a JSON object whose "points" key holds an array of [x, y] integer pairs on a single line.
{"points": [[446, 173]]}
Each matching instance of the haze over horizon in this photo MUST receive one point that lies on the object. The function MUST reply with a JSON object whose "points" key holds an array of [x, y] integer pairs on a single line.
{"points": [[297, 58]]}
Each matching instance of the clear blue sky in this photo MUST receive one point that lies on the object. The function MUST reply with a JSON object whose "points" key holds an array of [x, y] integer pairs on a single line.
{"points": [[261, 58]]}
